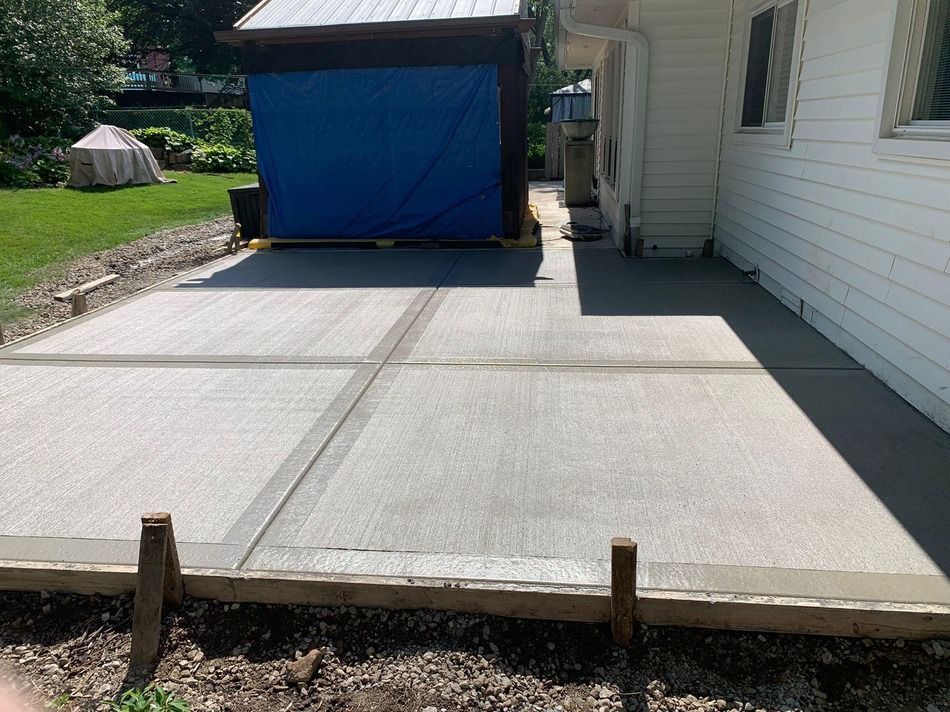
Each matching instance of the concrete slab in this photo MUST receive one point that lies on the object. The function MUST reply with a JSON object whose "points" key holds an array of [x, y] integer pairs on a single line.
{"points": [[721, 325], [820, 471], [528, 268], [325, 269], [314, 325], [668, 400], [88, 449]]}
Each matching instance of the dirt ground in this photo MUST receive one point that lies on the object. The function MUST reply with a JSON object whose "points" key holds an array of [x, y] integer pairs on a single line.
{"points": [[139, 264], [74, 650]]}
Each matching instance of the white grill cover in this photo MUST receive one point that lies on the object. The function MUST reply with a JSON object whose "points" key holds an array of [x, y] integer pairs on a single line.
{"points": [[109, 155]]}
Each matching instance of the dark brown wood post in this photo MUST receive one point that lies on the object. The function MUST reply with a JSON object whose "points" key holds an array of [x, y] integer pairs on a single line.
{"points": [[159, 581], [623, 589], [78, 303]]}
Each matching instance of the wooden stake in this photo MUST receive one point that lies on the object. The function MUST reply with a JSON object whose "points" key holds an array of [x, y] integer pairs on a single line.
{"points": [[158, 580], [234, 243], [623, 589], [78, 302]]}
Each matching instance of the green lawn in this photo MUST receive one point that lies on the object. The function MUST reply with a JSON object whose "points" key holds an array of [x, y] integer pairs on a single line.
{"points": [[42, 229]]}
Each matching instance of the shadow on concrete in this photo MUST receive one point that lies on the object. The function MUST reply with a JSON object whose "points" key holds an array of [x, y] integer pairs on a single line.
{"points": [[901, 455]]}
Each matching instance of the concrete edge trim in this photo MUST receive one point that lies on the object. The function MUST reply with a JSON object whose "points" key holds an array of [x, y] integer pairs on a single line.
{"points": [[654, 576], [91, 552]]}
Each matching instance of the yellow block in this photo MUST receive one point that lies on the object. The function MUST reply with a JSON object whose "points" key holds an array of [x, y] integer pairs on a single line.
{"points": [[259, 243], [527, 238]]}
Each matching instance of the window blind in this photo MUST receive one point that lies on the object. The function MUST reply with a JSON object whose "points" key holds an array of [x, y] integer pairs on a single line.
{"points": [[933, 96]]}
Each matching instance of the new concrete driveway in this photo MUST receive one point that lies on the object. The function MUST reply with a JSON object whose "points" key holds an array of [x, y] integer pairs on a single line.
{"points": [[495, 414]]}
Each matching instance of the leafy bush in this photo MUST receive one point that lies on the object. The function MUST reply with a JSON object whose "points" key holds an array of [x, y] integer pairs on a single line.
{"points": [[231, 127], [151, 699], [60, 62], [218, 158], [165, 138], [28, 163], [537, 133]]}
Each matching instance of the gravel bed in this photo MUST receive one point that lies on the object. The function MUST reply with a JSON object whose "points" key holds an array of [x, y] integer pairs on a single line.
{"points": [[242, 657], [139, 264]]}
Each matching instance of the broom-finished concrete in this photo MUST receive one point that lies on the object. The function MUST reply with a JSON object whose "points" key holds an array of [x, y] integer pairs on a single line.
{"points": [[483, 414]]}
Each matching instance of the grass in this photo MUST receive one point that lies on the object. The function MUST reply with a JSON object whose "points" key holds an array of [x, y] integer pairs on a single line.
{"points": [[43, 229]]}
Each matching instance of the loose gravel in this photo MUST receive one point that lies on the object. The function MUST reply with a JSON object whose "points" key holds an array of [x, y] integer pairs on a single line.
{"points": [[250, 657], [139, 264]]}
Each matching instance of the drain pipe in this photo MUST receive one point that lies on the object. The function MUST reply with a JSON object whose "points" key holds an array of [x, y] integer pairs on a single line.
{"points": [[633, 109]]}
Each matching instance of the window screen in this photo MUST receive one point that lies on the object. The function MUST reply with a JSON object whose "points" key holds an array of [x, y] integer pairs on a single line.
{"points": [[780, 77], [757, 68], [933, 95], [769, 65]]}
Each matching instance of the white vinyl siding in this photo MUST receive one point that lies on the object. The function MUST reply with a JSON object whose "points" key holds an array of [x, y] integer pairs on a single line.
{"points": [[688, 40], [858, 244]]}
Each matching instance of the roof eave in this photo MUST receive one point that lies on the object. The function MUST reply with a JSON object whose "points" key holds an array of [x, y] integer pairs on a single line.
{"points": [[368, 31]]}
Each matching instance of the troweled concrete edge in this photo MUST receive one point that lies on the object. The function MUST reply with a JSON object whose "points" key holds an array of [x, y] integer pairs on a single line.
{"points": [[547, 602]]}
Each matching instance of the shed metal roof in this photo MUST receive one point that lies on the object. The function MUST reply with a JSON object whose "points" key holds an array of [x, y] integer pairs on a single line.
{"points": [[285, 14]]}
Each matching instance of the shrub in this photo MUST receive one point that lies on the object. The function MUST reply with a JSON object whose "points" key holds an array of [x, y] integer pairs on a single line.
{"points": [[28, 163], [165, 138], [151, 699], [536, 144], [231, 127], [218, 158]]}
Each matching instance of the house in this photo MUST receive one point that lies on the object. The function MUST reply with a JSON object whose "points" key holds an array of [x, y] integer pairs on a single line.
{"points": [[806, 141], [390, 119]]}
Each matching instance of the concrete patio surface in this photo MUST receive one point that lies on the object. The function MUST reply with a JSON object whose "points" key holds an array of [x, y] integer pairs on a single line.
{"points": [[480, 414]]}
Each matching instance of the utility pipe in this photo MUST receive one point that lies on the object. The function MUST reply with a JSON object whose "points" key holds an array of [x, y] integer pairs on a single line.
{"points": [[633, 109]]}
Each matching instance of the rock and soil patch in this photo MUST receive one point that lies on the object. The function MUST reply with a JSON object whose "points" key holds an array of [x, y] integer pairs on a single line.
{"points": [[257, 658]]}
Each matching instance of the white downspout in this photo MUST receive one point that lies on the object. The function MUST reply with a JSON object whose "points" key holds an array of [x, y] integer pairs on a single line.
{"points": [[633, 110]]}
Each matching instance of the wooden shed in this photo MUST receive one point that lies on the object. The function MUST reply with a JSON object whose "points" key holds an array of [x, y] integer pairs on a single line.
{"points": [[394, 119]]}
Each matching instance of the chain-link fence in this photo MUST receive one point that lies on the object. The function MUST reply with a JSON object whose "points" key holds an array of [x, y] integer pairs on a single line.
{"points": [[181, 120], [229, 126]]}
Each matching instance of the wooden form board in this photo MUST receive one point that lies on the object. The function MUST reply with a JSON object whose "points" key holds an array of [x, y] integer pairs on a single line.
{"points": [[564, 603]]}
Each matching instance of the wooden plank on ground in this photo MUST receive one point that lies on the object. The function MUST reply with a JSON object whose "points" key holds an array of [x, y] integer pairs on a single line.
{"points": [[85, 288], [590, 605]]}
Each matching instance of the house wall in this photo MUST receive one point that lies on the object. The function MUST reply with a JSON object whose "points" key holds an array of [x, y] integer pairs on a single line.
{"points": [[688, 43], [858, 244]]}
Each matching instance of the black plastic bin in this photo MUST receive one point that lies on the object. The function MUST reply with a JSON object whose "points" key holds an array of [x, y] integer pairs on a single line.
{"points": [[245, 205]]}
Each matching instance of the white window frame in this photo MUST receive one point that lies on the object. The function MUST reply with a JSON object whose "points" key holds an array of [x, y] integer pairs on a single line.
{"points": [[899, 136], [778, 134], [609, 106]]}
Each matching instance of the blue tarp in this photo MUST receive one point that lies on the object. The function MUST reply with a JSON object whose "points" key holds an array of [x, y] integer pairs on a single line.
{"points": [[365, 153]]}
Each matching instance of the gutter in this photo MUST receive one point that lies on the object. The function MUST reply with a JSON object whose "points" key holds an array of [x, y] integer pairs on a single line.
{"points": [[633, 108]]}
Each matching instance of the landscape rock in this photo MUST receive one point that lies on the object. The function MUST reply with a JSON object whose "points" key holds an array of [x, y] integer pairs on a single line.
{"points": [[303, 669]]}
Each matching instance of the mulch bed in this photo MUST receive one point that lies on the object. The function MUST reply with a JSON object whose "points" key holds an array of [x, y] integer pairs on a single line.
{"points": [[235, 657]]}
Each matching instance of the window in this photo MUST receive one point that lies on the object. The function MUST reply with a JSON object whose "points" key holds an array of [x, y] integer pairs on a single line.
{"points": [[769, 63], [915, 119], [610, 98], [933, 93], [925, 103]]}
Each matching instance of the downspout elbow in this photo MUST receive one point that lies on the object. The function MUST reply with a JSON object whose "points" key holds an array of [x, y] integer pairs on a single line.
{"points": [[616, 34]]}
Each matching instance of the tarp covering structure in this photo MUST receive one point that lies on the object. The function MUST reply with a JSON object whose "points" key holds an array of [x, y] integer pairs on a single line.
{"points": [[572, 102], [109, 155], [395, 152]]}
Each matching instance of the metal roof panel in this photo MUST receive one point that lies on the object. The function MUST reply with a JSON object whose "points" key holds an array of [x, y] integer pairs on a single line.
{"points": [[279, 14]]}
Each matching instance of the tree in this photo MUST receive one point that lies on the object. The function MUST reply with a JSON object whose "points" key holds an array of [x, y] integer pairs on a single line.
{"points": [[185, 28], [547, 77], [58, 64]]}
